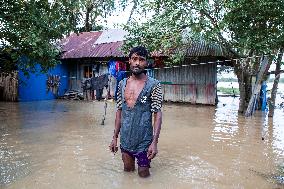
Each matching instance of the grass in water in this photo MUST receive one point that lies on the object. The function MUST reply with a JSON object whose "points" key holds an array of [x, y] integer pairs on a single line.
{"points": [[230, 91]]}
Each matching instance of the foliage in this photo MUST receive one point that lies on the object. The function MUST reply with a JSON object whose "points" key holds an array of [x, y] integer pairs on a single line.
{"points": [[31, 29], [92, 10], [224, 69], [5, 62], [256, 25], [243, 27], [162, 33]]}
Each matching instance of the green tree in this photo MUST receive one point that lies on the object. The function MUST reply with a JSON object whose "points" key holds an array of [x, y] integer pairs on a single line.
{"points": [[92, 10], [244, 28], [32, 29], [257, 28]]}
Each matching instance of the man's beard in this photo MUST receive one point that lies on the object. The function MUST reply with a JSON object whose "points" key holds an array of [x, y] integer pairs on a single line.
{"points": [[137, 71]]}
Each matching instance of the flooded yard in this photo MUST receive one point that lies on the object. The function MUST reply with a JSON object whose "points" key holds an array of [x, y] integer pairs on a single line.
{"points": [[61, 144]]}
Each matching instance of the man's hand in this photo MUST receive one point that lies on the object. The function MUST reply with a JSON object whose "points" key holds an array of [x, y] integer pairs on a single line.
{"points": [[113, 145], [152, 151]]}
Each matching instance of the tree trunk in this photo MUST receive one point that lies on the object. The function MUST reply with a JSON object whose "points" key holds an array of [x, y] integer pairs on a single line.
{"points": [[242, 70], [132, 11], [245, 84], [244, 79], [263, 69], [275, 84], [88, 25]]}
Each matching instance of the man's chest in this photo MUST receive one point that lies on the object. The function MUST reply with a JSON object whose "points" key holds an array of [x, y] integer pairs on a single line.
{"points": [[132, 92]]}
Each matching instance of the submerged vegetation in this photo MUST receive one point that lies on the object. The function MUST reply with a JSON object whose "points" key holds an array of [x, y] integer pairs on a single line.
{"points": [[270, 80], [230, 91], [279, 177]]}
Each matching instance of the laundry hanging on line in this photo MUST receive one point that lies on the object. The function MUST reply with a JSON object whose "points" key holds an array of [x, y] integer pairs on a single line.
{"points": [[99, 82]]}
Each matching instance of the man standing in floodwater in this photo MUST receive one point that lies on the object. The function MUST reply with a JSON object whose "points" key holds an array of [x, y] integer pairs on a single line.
{"points": [[139, 97]]}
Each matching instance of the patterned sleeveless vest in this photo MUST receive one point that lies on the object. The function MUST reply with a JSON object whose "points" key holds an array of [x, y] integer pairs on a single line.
{"points": [[136, 132]]}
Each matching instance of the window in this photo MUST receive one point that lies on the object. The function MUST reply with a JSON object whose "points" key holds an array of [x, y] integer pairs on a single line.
{"points": [[88, 71]]}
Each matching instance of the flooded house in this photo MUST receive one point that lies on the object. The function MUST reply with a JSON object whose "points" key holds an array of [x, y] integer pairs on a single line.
{"points": [[195, 79], [84, 55], [16, 85], [88, 54]]}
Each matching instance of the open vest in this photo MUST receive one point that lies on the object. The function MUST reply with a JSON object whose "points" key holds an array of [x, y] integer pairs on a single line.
{"points": [[136, 132]]}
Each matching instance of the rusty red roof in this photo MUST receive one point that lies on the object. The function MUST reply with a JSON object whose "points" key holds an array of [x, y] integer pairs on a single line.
{"points": [[107, 50], [108, 43], [78, 45], [85, 45]]}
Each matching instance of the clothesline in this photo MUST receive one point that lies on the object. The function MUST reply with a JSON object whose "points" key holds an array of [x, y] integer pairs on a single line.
{"points": [[218, 61], [209, 62]]}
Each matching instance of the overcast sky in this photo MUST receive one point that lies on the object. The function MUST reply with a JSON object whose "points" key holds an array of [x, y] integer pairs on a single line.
{"points": [[120, 16]]}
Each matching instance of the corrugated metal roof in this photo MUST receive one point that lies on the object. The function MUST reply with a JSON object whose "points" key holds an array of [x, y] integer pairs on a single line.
{"points": [[109, 42], [198, 49], [79, 46], [107, 50], [112, 35], [204, 49], [86, 45]]}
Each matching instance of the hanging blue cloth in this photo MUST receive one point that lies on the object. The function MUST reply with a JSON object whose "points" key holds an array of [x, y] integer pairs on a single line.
{"points": [[263, 96], [121, 75], [111, 68]]}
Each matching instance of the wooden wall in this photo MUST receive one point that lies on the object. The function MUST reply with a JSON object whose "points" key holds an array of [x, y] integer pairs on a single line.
{"points": [[193, 83], [9, 86]]}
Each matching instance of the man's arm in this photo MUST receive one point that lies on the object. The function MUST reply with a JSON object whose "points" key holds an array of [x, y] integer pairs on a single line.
{"points": [[117, 123], [157, 98], [157, 126], [153, 148], [113, 145]]}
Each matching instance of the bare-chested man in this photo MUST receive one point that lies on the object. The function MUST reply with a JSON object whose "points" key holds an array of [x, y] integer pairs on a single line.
{"points": [[139, 97]]}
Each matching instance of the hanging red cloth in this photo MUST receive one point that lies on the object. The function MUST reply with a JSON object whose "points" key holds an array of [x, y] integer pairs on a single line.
{"points": [[120, 66]]}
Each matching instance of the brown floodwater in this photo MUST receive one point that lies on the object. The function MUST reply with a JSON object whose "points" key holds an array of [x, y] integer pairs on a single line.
{"points": [[61, 144]]}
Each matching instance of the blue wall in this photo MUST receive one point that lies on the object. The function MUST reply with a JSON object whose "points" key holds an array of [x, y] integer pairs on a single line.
{"points": [[34, 87]]}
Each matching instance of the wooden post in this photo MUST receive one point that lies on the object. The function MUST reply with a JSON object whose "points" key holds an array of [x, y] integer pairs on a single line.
{"points": [[275, 83], [264, 66]]}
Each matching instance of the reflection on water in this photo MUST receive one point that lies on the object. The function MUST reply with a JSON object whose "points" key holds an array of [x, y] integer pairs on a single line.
{"points": [[229, 124], [226, 120], [61, 144]]}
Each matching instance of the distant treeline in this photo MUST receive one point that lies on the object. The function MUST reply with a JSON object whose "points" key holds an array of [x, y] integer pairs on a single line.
{"points": [[227, 80], [236, 80], [272, 79]]}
